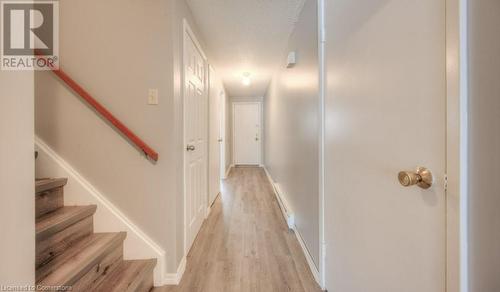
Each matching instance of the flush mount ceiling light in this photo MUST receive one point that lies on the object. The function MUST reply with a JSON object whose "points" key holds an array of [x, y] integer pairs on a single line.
{"points": [[246, 79]]}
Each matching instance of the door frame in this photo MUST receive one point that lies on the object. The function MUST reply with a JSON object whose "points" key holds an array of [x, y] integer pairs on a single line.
{"points": [[261, 140], [221, 144], [456, 146], [456, 250], [321, 141], [223, 135], [186, 30]]}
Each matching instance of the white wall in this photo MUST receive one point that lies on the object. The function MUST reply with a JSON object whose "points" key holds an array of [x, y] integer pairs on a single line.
{"points": [[291, 128], [17, 179], [117, 50], [484, 145], [125, 50]]}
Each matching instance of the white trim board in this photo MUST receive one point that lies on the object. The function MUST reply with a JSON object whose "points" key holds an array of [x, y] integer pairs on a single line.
{"points": [[228, 171], [289, 217], [456, 146], [108, 217], [321, 139], [175, 278], [285, 210], [247, 99], [223, 135]]}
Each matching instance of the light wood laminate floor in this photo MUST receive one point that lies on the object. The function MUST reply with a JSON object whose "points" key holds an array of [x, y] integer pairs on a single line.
{"points": [[245, 244]]}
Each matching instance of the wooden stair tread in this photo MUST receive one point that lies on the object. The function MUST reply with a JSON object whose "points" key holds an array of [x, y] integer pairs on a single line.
{"points": [[60, 219], [45, 184], [128, 276], [75, 262]]}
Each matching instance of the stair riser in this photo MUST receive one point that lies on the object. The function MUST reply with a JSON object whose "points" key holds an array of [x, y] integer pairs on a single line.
{"points": [[48, 248], [98, 272], [49, 201]]}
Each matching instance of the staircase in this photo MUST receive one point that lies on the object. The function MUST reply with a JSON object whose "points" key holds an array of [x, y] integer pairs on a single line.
{"points": [[69, 253]]}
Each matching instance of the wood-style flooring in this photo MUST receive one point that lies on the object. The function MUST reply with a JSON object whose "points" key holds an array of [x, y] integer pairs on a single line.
{"points": [[245, 244]]}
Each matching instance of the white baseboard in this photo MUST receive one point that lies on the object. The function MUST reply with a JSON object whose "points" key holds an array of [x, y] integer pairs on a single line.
{"points": [[290, 219], [310, 262], [108, 218], [175, 278], [284, 206], [228, 171]]}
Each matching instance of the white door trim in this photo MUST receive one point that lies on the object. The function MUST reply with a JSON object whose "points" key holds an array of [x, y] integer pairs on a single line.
{"points": [[188, 31], [456, 146], [261, 140], [223, 135], [321, 140], [222, 130]]}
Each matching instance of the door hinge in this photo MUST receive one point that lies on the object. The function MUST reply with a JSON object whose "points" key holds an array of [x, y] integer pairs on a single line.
{"points": [[445, 182]]}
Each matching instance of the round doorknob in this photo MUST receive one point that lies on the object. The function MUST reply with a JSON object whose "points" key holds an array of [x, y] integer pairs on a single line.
{"points": [[190, 148], [422, 178]]}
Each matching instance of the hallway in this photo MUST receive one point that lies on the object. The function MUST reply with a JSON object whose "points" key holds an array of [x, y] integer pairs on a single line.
{"points": [[245, 244]]}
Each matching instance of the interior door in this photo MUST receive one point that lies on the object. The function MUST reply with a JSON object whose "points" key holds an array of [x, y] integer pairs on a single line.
{"points": [[385, 113], [215, 137], [247, 133], [195, 123]]}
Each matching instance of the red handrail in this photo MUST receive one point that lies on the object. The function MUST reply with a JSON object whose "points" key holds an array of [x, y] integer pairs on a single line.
{"points": [[148, 151]]}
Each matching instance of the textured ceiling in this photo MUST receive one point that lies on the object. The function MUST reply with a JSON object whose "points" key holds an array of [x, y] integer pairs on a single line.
{"points": [[246, 36]]}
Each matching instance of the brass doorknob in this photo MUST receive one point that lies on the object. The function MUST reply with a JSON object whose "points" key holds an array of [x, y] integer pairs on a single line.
{"points": [[190, 148], [422, 178]]}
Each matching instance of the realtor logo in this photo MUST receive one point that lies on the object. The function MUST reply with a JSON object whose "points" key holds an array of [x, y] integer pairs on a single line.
{"points": [[29, 35]]}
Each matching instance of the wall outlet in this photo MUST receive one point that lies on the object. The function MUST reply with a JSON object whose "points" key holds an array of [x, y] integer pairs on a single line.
{"points": [[153, 96]]}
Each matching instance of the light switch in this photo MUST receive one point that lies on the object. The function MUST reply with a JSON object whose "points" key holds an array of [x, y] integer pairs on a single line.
{"points": [[153, 97]]}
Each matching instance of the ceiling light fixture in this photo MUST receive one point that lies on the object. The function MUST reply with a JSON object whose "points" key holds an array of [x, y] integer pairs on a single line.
{"points": [[246, 79]]}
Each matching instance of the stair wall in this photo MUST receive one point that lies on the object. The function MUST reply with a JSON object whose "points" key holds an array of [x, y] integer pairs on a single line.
{"points": [[16, 178]]}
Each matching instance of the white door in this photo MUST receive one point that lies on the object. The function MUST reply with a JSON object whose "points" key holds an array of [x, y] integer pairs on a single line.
{"points": [[247, 133], [195, 129], [385, 112], [215, 137]]}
